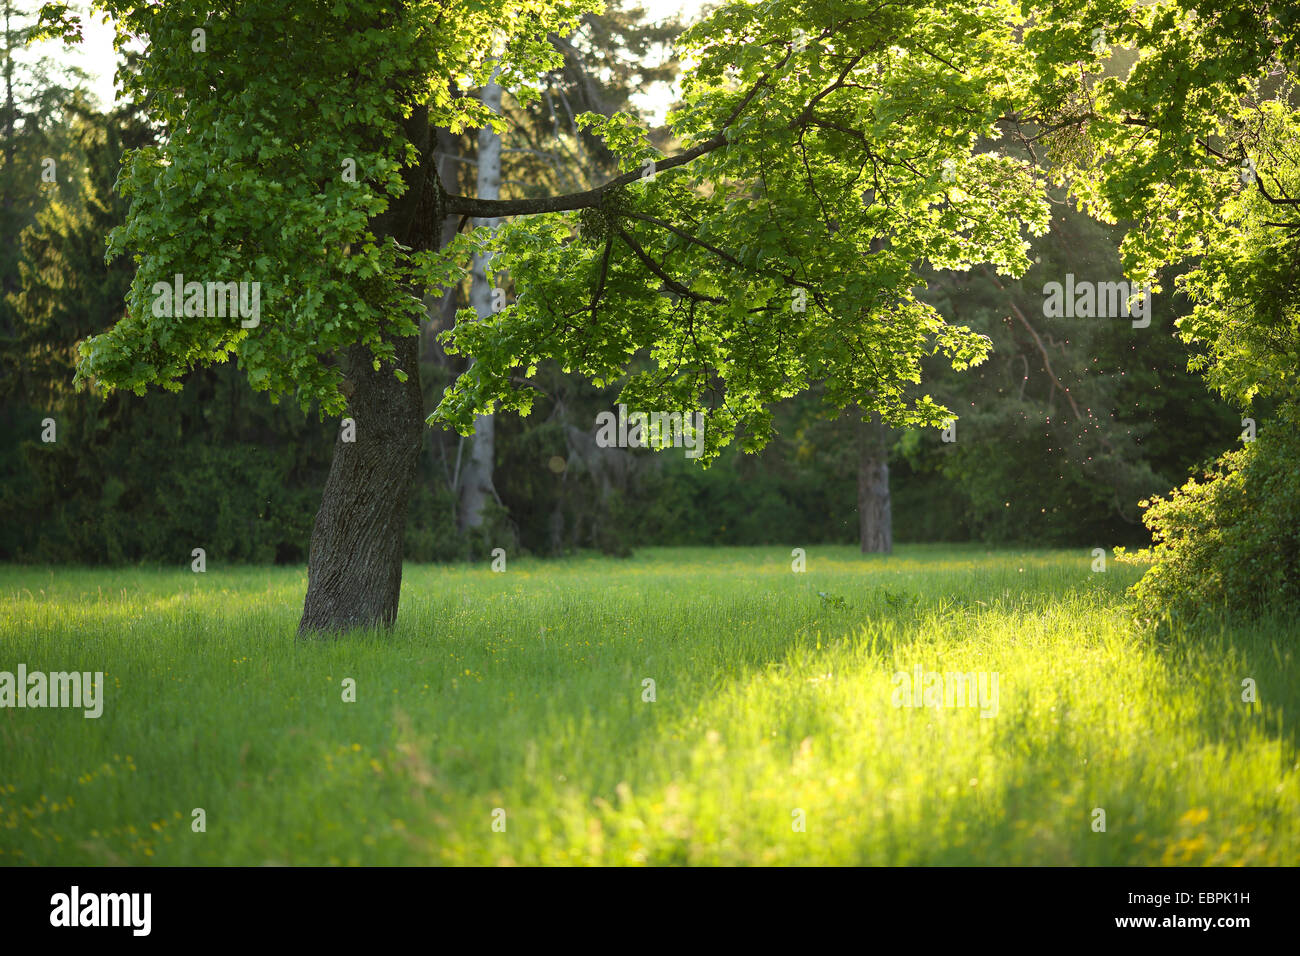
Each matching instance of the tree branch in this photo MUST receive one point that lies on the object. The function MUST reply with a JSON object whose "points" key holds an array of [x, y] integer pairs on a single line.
{"points": [[672, 284], [590, 198]]}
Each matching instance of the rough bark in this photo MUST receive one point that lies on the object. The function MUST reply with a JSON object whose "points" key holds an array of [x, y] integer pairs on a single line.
{"points": [[875, 521], [354, 570]]}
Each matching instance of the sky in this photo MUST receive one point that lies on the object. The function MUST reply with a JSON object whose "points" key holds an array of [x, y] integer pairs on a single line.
{"points": [[95, 54], [97, 57]]}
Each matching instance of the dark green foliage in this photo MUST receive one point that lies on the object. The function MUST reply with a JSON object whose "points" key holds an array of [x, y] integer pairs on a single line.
{"points": [[1071, 420], [1229, 541], [134, 478], [1057, 455], [149, 479]]}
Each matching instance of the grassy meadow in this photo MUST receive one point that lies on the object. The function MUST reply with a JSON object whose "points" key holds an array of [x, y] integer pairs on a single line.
{"points": [[773, 736]]}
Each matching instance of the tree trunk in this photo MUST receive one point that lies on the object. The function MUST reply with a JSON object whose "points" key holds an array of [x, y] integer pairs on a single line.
{"points": [[875, 523], [354, 570], [476, 486]]}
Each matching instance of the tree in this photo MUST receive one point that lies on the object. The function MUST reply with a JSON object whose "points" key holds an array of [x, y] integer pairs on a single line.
{"points": [[602, 63], [129, 477], [742, 263], [1195, 146], [476, 476], [605, 61], [62, 289], [1075, 418], [609, 57], [875, 512], [875, 504], [36, 157]]}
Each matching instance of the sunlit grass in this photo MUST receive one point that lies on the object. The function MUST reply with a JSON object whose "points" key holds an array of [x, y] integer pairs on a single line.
{"points": [[524, 691]]}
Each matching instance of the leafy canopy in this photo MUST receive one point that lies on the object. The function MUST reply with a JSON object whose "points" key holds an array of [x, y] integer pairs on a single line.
{"points": [[834, 149], [1195, 146], [263, 114], [830, 150]]}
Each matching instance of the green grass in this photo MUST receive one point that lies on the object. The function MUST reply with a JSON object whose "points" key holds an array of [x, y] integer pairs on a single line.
{"points": [[523, 691]]}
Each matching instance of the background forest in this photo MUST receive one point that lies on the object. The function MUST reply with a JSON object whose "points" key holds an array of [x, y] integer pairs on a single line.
{"points": [[924, 605], [1068, 425]]}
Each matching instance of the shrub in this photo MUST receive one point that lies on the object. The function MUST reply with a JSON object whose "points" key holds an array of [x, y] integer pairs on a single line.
{"points": [[1228, 543]]}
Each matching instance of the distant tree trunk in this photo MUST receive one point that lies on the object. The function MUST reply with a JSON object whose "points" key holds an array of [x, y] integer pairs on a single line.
{"points": [[354, 571], [10, 282], [875, 521], [442, 305], [476, 478]]}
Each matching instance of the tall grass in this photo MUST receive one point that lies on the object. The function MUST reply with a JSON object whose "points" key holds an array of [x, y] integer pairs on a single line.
{"points": [[523, 692]]}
